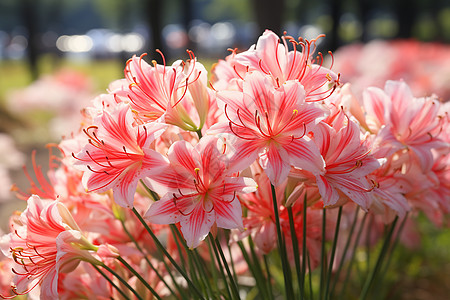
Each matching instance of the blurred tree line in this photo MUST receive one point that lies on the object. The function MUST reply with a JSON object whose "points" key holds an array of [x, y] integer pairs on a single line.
{"points": [[342, 21]]}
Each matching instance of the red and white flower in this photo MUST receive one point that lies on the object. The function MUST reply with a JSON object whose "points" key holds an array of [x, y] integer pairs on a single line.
{"points": [[44, 241], [271, 124], [118, 154], [200, 191]]}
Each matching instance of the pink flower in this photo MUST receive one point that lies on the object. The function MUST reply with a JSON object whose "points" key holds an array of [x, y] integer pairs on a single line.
{"points": [[45, 240], [347, 161], [177, 94], [274, 59], [200, 191], [271, 124], [118, 154], [403, 122], [388, 199], [153, 89]]}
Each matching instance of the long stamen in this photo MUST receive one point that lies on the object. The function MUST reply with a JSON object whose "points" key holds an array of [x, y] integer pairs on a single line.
{"points": [[294, 114], [262, 69], [302, 135], [199, 180], [269, 128], [98, 172], [240, 136], [95, 161], [234, 197], [258, 125], [175, 199], [348, 170]]}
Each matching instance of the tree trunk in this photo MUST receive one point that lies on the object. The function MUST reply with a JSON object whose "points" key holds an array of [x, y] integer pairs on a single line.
{"points": [[269, 15], [153, 12], [28, 10]]}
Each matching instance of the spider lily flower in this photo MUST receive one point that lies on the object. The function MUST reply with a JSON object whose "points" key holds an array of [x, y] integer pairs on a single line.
{"points": [[118, 154], [45, 241], [271, 124], [200, 191], [403, 122], [273, 58], [388, 199], [177, 93], [347, 162]]}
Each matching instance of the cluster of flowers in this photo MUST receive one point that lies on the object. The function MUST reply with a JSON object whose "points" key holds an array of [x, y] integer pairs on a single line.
{"points": [[276, 147], [424, 66]]}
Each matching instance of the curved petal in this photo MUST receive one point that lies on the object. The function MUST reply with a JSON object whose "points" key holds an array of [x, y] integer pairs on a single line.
{"points": [[304, 154], [244, 154], [182, 153], [329, 194], [163, 211], [275, 163], [195, 227], [228, 214]]}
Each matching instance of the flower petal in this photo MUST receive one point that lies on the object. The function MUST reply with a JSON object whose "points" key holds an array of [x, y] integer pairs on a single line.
{"points": [[195, 227]]}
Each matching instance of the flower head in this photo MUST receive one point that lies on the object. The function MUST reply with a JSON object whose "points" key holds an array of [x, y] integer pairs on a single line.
{"points": [[347, 161], [45, 240], [403, 122], [118, 154], [176, 94], [274, 59], [199, 191], [270, 123]]}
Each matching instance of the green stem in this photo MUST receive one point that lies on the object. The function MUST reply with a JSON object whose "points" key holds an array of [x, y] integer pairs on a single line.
{"points": [[256, 274], [269, 277], [310, 276], [234, 286], [347, 244], [213, 267], [111, 282], [152, 193], [258, 268], [231, 258], [352, 258], [213, 246], [385, 267], [394, 245], [189, 268], [304, 248], [123, 281], [322, 254], [368, 240], [139, 248], [177, 239], [282, 248], [138, 276], [333, 252], [199, 133], [161, 247], [381, 256], [295, 248]]}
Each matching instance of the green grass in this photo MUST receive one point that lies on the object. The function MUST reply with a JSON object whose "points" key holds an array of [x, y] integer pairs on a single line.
{"points": [[15, 74]]}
